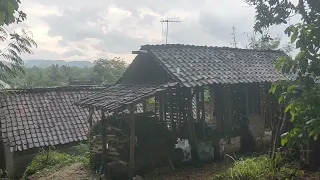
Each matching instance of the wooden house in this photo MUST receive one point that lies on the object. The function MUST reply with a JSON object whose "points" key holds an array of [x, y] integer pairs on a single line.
{"points": [[182, 78]]}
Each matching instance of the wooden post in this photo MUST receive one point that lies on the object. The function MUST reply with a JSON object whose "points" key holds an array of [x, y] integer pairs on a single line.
{"points": [[180, 108], [156, 105], [203, 113], [89, 136], [217, 110], [227, 111], [191, 127], [132, 142], [161, 107], [198, 104], [91, 110], [104, 141], [144, 106], [247, 99], [173, 125]]}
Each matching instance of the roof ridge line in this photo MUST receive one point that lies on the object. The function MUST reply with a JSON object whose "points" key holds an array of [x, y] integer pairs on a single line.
{"points": [[146, 46], [52, 88]]}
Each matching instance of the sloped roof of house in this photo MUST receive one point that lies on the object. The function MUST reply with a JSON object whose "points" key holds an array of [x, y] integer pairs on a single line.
{"points": [[201, 65], [32, 118], [119, 95]]}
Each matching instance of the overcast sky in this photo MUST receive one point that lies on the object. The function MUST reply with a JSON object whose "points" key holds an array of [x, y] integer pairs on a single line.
{"points": [[91, 29]]}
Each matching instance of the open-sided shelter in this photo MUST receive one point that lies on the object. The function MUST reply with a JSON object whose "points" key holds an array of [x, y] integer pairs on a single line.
{"points": [[184, 78]]}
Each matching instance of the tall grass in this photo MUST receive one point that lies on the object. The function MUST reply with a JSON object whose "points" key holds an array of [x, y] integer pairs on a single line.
{"points": [[259, 168]]}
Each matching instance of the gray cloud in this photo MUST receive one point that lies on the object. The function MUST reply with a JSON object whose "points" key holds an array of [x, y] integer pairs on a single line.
{"points": [[210, 24], [73, 25], [222, 29], [73, 52]]}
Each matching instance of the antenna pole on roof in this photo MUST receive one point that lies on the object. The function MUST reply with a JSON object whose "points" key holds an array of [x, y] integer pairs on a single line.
{"points": [[168, 21]]}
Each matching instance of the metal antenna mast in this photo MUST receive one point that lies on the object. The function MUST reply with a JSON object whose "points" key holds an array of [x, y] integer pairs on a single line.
{"points": [[168, 21]]}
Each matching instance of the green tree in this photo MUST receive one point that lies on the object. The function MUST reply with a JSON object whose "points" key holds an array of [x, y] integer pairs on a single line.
{"points": [[301, 97], [262, 42], [10, 13], [15, 44], [108, 70]]}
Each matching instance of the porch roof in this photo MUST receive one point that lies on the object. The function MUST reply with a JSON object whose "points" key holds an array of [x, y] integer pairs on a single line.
{"points": [[120, 95]]}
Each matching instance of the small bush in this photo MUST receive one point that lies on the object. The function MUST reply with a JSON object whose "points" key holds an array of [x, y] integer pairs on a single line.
{"points": [[259, 168], [54, 160]]}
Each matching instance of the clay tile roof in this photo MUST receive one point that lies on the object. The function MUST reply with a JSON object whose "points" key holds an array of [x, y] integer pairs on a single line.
{"points": [[32, 118], [201, 65]]}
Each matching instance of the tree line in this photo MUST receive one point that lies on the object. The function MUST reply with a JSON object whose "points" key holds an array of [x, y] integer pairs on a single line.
{"points": [[104, 71]]}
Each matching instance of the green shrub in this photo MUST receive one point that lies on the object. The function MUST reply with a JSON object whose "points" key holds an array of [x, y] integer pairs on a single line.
{"points": [[259, 168], [52, 160]]}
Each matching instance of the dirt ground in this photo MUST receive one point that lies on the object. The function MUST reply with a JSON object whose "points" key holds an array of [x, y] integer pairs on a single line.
{"points": [[205, 172], [71, 172]]}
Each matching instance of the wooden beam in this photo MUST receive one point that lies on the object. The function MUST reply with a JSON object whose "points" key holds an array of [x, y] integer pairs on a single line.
{"points": [[132, 142]]}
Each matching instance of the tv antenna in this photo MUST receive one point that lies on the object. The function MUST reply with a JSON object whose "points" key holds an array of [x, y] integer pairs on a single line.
{"points": [[168, 21]]}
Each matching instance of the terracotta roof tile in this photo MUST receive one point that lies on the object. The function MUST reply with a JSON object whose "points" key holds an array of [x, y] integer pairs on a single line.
{"points": [[44, 116], [200, 65]]}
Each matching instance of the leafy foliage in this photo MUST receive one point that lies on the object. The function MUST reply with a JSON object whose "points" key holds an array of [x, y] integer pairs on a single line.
{"points": [[18, 45], [301, 96], [263, 42], [108, 70], [259, 168], [10, 13], [3, 175], [15, 44], [63, 75]]}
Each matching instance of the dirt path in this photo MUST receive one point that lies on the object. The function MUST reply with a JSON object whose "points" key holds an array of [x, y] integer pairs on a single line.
{"points": [[205, 172], [71, 172]]}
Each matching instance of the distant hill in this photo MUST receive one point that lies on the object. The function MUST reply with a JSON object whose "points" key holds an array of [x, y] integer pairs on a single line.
{"points": [[46, 63]]}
